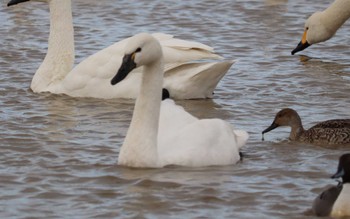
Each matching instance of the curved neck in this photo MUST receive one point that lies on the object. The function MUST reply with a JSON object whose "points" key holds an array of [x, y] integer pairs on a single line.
{"points": [[140, 145], [59, 59], [297, 128], [336, 15]]}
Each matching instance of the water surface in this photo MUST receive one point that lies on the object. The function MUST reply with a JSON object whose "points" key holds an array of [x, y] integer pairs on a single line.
{"points": [[58, 154]]}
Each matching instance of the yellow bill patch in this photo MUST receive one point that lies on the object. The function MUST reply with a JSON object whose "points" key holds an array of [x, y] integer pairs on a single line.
{"points": [[303, 39]]}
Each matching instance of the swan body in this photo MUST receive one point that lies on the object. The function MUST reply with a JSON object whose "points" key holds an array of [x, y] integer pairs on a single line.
{"points": [[185, 77], [322, 26], [334, 132], [162, 133], [335, 200]]}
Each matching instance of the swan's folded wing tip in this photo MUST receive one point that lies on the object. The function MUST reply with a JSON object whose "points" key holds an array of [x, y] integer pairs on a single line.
{"points": [[241, 137]]}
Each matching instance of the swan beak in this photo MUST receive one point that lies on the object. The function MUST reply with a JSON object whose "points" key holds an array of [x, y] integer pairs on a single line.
{"points": [[271, 127], [126, 67], [15, 2], [302, 45]]}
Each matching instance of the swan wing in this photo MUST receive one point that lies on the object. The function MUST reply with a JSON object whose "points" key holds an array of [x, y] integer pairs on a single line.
{"points": [[187, 141], [91, 78], [194, 80], [205, 142], [176, 50], [173, 117]]}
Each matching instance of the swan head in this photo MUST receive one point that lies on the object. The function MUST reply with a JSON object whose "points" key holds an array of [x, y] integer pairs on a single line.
{"points": [[15, 2], [141, 49], [315, 31]]}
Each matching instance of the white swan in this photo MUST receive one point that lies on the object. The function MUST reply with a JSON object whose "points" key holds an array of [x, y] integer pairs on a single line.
{"points": [[90, 78], [321, 26], [162, 133]]}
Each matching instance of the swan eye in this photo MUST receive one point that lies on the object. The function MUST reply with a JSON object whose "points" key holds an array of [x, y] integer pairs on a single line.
{"points": [[138, 50]]}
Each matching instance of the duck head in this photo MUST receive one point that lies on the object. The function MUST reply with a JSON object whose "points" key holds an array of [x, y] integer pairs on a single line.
{"points": [[285, 117], [343, 170]]}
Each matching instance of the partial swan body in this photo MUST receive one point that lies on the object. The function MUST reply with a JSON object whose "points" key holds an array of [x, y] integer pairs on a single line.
{"points": [[335, 200], [334, 132], [322, 26], [162, 133], [185, 76]]}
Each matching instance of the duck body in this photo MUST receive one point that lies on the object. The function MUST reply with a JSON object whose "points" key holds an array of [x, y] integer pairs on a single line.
{"points": [[163, 133], [328, 133], [335, 200], [321, 26], [190, 71]]}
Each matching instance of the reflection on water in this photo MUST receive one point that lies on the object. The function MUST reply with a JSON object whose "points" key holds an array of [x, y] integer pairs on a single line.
{"points": [[58, 154]]}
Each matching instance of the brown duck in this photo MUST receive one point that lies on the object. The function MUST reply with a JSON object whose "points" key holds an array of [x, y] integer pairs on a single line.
{"points": [[328, 133]]}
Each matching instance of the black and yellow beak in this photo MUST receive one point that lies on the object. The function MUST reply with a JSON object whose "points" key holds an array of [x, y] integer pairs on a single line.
{"points": [[126, 67], [303, 44], [15, 2]]}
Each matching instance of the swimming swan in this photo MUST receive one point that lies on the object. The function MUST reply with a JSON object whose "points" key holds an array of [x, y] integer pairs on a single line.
{"points": [[162, 133], [335, 132], [321, 26], [183, 78]]}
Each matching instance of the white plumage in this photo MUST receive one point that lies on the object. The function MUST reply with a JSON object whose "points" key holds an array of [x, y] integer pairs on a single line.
{"points": [[90, 78], [322, 25], [162, 133]]}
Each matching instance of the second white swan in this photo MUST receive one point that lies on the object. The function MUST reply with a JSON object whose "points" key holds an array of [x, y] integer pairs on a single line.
{"points": [[90, 78]]}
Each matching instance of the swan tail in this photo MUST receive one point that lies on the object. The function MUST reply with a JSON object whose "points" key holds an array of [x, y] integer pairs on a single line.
{"points": [[241, 137], [194, 80]]}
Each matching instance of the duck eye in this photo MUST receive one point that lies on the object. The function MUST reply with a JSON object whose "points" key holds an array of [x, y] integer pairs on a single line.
{"points": [[138, 50]]}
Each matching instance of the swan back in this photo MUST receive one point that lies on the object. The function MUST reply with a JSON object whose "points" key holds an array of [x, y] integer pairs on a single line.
{"points": [[188, 141]]}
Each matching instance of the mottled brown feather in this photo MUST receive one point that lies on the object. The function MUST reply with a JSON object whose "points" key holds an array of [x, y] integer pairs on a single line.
{"points": [[334, 132]]}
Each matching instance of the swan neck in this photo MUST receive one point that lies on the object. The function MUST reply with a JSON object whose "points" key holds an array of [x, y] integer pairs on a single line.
{"points": [[59, 58], [336, 14], [141, 140]]}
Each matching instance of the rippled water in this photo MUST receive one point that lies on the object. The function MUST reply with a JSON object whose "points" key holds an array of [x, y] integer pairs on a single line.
{"points": [[58, 154]]}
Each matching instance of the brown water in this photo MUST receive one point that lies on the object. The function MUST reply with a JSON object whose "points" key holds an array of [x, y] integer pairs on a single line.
{"points": [[58, 154]]}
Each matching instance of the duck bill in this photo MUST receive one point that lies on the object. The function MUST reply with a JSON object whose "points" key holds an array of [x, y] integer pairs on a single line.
{"points": [[271, 127], [126, 67], [338, 174], [15, 2], [300, 47]]}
